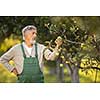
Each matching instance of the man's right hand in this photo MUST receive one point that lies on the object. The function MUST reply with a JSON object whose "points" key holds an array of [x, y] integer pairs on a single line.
{"points": [[15, 71]]}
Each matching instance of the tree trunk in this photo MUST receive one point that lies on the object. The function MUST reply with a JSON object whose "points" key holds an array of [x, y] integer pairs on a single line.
{"points": [[73, 72], [60, 71], [75, 75]]}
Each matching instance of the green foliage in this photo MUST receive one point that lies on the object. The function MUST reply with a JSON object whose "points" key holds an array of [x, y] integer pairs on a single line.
{"points": [[80, 35], [8, 42], [6, 76], [78, 41]]}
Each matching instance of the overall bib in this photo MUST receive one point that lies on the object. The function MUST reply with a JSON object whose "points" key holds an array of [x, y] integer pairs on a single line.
{"points": [[31, 70]]}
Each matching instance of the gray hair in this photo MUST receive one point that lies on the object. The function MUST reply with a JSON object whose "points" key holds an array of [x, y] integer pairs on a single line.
{"points": [[29, 27]]}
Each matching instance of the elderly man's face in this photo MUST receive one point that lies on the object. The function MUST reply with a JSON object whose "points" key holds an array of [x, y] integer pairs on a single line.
{"points": [[30, 35]]}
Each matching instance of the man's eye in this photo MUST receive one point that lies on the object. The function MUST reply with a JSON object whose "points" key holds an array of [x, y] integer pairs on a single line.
{"points": [[33, 32]]}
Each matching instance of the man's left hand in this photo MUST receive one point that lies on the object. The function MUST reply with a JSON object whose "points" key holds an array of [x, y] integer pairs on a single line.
{"points": [[59, 41]]}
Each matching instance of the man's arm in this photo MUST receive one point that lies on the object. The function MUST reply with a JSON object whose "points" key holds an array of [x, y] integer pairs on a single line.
{"points": [[5, 58], [53, 55], [49, 55]]}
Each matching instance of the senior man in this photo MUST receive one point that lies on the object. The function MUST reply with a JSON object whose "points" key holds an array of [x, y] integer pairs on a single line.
{"points": [[28, 57]]}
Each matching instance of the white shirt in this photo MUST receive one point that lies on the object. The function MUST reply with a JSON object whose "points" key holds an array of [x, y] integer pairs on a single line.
{"points": [[29, 50]]}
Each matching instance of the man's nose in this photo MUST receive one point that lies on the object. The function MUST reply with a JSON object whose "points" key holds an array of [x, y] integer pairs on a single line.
{"points": [[35, 35]]}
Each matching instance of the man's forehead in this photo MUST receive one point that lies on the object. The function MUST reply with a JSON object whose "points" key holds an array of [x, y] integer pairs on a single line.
{"points": [[30, 31], [29, 27]]}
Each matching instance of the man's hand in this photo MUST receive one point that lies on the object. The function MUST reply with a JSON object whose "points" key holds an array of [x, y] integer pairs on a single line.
{"points": [[14, 71], [59, 41]]}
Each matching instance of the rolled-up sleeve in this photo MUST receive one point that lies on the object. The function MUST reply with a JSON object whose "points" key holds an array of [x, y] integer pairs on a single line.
{"points": [[5, 58], [49, 55]]}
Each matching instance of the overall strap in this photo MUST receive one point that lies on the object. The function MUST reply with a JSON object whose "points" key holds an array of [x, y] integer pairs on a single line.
{"points": [[36, 53], [24, 55]]}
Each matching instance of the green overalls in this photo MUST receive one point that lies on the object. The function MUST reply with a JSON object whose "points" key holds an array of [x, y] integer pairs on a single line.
{"points": [[31, 69]]}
